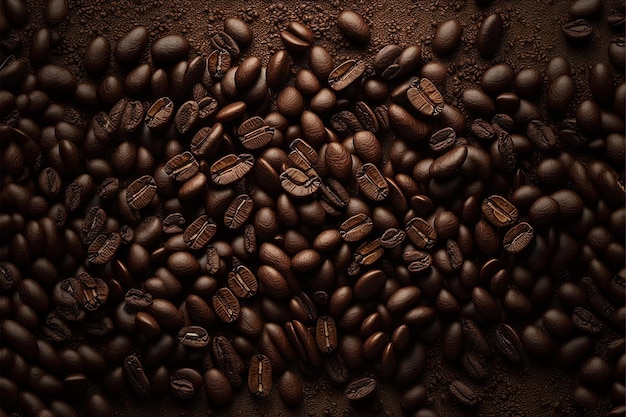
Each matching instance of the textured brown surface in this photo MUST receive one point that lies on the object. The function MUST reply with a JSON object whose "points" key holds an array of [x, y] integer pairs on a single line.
{"points": [[532, 36]]}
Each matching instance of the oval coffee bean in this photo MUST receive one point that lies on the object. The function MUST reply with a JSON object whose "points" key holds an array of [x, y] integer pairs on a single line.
{"points": [[231, 168], [447, 36], [260, 375], [345, 74], [226, 305], [489, 35], [353, 27], [463, 394], [193, 336], [360, 389]]}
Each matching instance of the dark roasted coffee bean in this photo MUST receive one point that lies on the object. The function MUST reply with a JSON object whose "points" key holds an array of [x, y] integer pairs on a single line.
{"points": [[508, 342], [442, 140], [186, 116], [356, 228], [141, 192], [499, 211], [218, 389], [290, 389], [194, 336], [353, 27], [345, 74], [228, 360], [260, 375], [586, 321], [221, 40], [560, 94], [299, 184], [182, 167], [371, 183], [541, 135], [616, 52], [577, 30], [360, 389], [134, 372], [421, 233], [169, 49], [231, 168], [226, 305], [199, 232], [103, 248], [518, 238], [463, 394], [297, 37], [254, 133], [138, 300], [56, 80], [131, 46], [238, 212], [474, 366], [326, 334], [242, 282], [489, 35], [218, 63], [425, 97], [447, 37], [160, 113]]}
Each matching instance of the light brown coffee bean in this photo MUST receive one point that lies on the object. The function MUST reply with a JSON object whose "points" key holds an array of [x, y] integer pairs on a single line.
{"points": [[199, 232], [260, 375], [499, 211], [226, 305], [231, 168], [345, 74], [425, 97]]}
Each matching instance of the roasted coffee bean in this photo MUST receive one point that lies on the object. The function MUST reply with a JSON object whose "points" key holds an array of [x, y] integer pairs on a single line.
{"points": [[131, 46], [326, 334], [56, 80], [242, 282], [499, 211], [260, 375], [103, 248], [508, 342], [425, 97], [560, 94], [254, 133], [226, 305], [371, 183], [186, 116], [218, 63], [228, 360], [442, 140], [489, 35], [199, 232], [421, 233], [518, 238], [406, 125], [222, 40], [218, 389], [182, 167], [299, 184], [345, 74], [447, 37], [160, 113], [463, 394], [141, 192], [577, 30], [169, 49], [353, 27], [541, 135], [360, 389], [135, 374], [356, 228], [586, 321], [303, 341], [290, 389], [194, 337], [137, 299], [297, 37], [231, 168], [616, 52]]}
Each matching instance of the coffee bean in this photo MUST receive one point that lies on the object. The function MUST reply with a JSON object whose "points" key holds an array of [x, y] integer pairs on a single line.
{"points": [[360, 389], [160, 113], [489, 35], [447, 37], [141, 192], [616, 52], [254, 133], [421, 233], [56, 11], [463, 394], [194, 336], [231, 168], [239, 30], [577, 30], [518, 238], [326, 334], [290, 389], [299, 184], [601, 83], [297, 37], [226, 305], [425, 97], [187, 116], [303, 341], [478, 102], [353, 27], [199, 232], [448, 163], [222, 40], [356, 228], [345, 74], [497, 79], [218, 389], [134, 372], [371, 183], [169, 49], [56, 80], [499, 211], [260, 375]]}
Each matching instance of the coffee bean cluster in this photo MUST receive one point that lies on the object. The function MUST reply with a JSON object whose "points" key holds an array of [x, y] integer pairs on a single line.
{"points": [[212, 222]]}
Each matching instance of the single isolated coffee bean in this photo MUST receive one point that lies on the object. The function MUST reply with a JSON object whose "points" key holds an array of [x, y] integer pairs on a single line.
{"points": [[353, 26]]}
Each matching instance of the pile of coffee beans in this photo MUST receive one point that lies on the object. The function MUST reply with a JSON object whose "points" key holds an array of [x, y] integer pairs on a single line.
{"points": [[207, 222]]}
